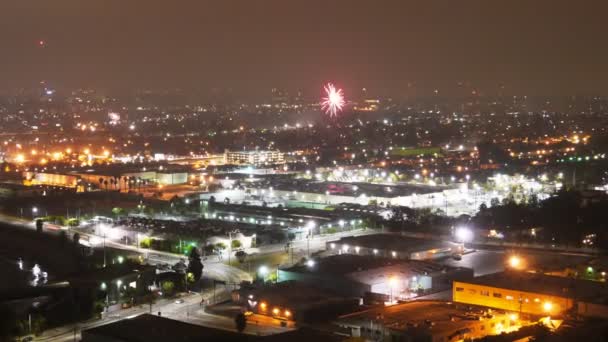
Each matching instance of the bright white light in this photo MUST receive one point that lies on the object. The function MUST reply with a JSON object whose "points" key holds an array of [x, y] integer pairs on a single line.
{"points": [[310, 263], [263, 270], [464, 234]]}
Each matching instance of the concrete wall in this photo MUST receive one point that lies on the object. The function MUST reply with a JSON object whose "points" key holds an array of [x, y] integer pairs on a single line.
{"points": [[593, 310]]}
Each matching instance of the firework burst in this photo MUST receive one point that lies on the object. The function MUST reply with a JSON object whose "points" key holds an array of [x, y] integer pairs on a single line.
{"points": [[334, 100]]}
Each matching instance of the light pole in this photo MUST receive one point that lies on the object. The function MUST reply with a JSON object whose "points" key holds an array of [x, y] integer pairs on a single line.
{"points": [[104, 250], [392, 282]]}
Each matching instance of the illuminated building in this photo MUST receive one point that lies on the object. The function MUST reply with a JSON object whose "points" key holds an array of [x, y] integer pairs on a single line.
{"points": [[356, 275], [428, 321], [256, 157], [396, 247], [533, 293]]}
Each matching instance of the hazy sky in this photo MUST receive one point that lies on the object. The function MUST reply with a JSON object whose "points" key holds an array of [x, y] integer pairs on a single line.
{"points": [[532, 46]]}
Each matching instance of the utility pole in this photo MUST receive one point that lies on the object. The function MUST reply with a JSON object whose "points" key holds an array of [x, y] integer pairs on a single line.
{"points": [[104, 250]]}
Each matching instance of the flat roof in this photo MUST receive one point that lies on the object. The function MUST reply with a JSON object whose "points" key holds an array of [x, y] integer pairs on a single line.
{"points": [[394, 242], [545, 284], [435, 315], [352, 264], [146, 328], [293, 294]]}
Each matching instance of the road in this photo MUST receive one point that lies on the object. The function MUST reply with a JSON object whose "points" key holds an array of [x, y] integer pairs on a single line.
{"points": [[189, 310]]}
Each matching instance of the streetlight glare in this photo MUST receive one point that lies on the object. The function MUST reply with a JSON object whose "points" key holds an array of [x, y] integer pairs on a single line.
{"points": [[263, 270], [464, 234], [514, 261], [392, 281]]}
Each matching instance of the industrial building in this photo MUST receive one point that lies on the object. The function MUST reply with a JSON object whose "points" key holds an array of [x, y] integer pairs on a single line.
{"points": [[151, 328], [361, 275], [534, 293], [428, 321], [294, 301], [255, 157], [394, 246]]}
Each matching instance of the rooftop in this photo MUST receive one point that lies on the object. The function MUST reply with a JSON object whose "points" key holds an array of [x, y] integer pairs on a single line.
{"points": [[151, 328], [353, 264], [393, 242], [293, 294], [545, 284], [435, 315]]}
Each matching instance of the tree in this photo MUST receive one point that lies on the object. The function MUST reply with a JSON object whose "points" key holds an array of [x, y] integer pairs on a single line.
{"points": [[168, 288], [195, 265], [76, 238], [39, 225], [236, 244], [8, 323], [241, 322], [118, 212], [241, 256]]}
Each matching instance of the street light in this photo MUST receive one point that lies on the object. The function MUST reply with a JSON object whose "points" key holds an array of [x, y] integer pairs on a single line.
{"points": [[263, 271], [547, 306], [392, 282], [514, 261], [310, 263], [464, 234]]}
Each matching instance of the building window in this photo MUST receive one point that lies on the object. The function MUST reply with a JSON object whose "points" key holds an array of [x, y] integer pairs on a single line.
{"points": [[497, 295], [509, 297], [484, 293], [459, 289], [472, 291]]}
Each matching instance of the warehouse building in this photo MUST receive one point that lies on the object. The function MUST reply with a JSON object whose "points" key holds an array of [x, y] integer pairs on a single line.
{"points": [[394, 246], [360, 275], [428, 321], [534, 293]]}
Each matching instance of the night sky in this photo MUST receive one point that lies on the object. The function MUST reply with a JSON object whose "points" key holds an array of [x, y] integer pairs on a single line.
{"points": [[390, 47]]}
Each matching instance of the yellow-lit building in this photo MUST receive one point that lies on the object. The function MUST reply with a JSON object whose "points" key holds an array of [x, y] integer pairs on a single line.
{"points": [[525, 292], [432, 321], [51, 179]]}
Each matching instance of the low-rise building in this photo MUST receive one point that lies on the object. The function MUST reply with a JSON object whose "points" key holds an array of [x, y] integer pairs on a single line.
{"points": [[533, 293], [151, 328], [360, 275], [294, 301], [428, 321], [395, 246], [255, 157]]}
